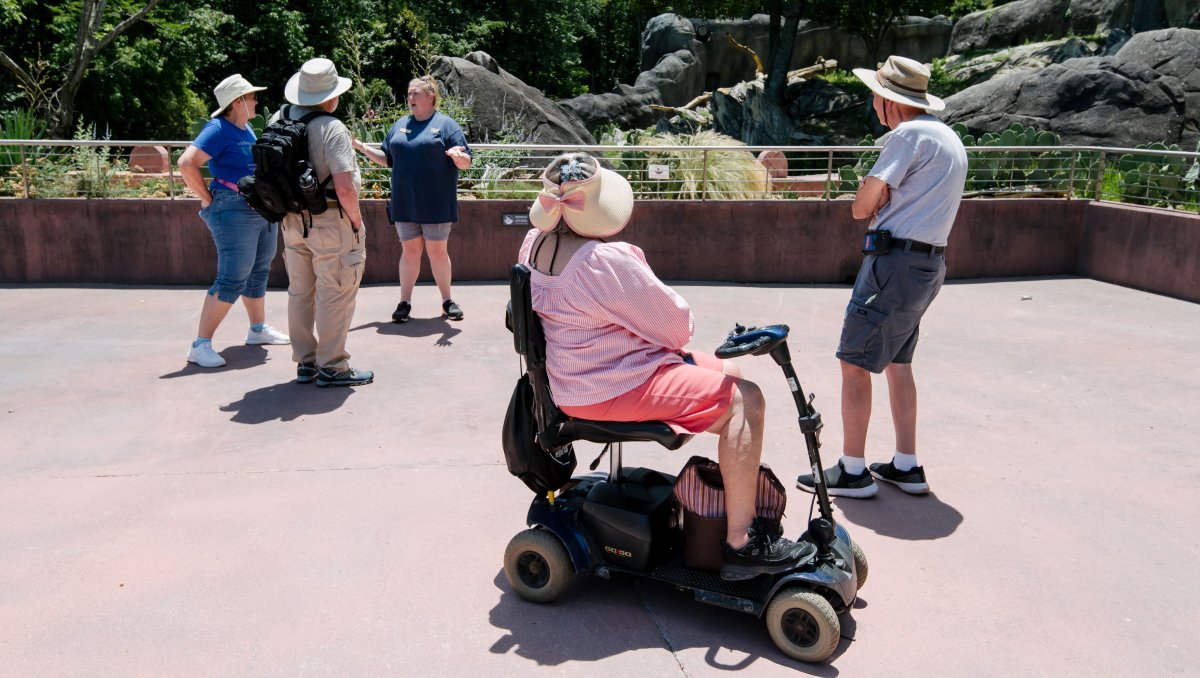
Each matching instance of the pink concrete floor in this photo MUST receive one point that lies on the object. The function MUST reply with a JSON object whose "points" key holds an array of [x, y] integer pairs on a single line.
{"points": [[158, 519]]}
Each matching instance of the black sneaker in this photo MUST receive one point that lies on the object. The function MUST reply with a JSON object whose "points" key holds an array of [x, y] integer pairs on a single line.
{"points": [[348, 377], [763, 554], [451, 310], [306, 373], [911, 481], [400, 315], [839, 483]]}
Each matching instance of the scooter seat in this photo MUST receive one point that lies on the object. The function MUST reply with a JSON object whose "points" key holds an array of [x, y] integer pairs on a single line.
{"points": [[569, 429]]}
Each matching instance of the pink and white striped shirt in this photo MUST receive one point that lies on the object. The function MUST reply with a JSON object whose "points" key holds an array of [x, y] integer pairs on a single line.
{"points": [[609, 322]]}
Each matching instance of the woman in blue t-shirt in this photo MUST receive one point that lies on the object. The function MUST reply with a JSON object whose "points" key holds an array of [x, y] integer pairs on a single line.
{"points": [[425, 150], [245, 241]]}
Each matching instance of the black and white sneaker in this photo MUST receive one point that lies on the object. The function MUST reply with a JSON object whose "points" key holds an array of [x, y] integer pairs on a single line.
{"points": [[839, 483], [911, 481], [402, 312], [765, 553], [306, 373], [348, 377], [452, 310]]}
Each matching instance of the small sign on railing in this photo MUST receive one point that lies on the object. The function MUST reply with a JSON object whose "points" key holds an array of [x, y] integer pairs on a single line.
{"points": [[659, 172]]}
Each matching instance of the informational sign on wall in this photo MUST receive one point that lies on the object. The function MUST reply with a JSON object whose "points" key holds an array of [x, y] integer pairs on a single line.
{"points": [[514, 219]]}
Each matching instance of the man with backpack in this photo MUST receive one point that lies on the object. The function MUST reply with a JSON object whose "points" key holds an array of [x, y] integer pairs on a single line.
{"points": [[325, 252]]}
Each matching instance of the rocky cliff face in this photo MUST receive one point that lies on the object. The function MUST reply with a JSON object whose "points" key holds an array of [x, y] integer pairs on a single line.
{"points": [[1148, 91]]}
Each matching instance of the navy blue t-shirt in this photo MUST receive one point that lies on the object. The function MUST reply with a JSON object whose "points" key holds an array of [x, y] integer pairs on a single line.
{"points": [[424, 178], [228, 147]]}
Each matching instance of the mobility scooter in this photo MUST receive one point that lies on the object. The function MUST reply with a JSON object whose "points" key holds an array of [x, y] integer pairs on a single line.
{"points": [[628, 521]]}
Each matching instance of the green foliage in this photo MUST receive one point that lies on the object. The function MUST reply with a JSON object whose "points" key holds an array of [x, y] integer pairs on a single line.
{"points": [[996, 172], [1159, 180], [18, 124], [92, 168]]}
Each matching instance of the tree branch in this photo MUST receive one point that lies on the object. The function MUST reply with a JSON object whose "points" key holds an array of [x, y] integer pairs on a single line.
{"points": [[22, 75], [124, 25]]}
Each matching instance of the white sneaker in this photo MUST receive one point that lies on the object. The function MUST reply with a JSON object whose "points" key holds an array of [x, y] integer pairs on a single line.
{"points": [[268, 335], [204, 356]]}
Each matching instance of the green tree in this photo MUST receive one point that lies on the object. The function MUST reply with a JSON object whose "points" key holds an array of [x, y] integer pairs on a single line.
{"points": [[870, 20], [52, 89]]}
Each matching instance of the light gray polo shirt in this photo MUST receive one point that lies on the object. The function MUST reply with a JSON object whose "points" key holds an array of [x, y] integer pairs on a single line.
{"points": [[924, 165]]}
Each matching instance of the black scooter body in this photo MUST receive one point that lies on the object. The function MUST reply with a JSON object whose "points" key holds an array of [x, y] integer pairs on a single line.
{"points": [[604, 526]]}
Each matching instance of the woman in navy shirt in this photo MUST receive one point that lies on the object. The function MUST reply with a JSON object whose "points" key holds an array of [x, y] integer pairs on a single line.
{"points": [[425, 150], [245, 241]]}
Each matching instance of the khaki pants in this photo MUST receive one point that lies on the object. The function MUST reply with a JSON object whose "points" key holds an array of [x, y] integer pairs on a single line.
{"points": [[324, 271]]}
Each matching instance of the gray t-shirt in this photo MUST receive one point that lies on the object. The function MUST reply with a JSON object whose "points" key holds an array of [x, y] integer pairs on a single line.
{"points": [[924, 165], [328, 144]]}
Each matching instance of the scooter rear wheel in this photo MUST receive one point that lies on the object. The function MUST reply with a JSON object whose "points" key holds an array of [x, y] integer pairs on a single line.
{"points": [[537, 566], [803, 624]]}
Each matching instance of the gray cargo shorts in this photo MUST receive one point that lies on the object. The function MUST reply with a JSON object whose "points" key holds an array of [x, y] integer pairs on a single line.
{"points": [[883, 318]]}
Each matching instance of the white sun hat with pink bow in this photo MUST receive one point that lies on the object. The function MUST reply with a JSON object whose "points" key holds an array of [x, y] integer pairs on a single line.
{"points": [[593, 201]]}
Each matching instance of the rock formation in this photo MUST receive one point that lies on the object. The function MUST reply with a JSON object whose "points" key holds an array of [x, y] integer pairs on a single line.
{"points": [[502, 103], [1148, 91]]}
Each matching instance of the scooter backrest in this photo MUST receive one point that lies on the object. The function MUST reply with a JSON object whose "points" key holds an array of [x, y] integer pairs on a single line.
{"points": [[528, 339]]}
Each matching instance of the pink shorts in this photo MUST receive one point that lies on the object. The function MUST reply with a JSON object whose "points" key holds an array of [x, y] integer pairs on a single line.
{"points": [[689, 398]]}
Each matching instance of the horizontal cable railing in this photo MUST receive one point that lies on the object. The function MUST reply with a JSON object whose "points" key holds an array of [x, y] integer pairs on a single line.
{"points": [[149, 169]]}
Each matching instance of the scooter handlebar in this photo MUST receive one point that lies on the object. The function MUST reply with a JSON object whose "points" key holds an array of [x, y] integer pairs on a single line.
{"points": [[752, 341]]}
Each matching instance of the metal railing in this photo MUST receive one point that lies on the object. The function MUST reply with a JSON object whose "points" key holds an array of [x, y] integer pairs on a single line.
{"points": [[1160, 178]]}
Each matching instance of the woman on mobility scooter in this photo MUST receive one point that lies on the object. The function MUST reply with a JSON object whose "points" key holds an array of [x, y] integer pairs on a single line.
{"points": [[615, 337]]}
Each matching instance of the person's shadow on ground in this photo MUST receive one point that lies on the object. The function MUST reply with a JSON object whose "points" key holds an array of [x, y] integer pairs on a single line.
{"points": [[596, 619], [892, 513], [238, 357], [416, 327], [286, 402]]}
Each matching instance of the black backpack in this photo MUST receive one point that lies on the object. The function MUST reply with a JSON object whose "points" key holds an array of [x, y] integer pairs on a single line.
{"points": [[284, 180]]}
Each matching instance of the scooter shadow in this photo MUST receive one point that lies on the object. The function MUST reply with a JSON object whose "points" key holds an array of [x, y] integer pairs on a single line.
{"points": [[637, 615], [417, 327], [286, 402], [893, 513]]}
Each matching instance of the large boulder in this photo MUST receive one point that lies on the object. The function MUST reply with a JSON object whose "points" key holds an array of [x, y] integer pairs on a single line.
{"points": [[678, 77], [1149, 91], [627, 107], [502, 103], [1025, 58]]}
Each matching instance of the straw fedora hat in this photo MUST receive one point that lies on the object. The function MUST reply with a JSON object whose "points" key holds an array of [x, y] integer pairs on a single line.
{"points": [[593, 201], [903, 81], [229, 90], [316, 82]]}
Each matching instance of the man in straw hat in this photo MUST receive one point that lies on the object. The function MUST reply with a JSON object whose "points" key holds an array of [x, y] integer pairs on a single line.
{"points": [[615, 338], [324, 265], [912, 195]]}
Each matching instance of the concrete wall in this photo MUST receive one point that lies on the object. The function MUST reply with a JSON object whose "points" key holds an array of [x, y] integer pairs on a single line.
{"points": [[788, 241]]}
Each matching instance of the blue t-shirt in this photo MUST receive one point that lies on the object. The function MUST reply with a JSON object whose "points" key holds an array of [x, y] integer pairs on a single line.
{"points": [[924, 164], [424, 178], [228, 147]]}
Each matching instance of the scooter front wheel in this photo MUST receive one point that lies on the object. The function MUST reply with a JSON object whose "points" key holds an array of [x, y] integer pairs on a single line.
{"points": [[537, 566], [860, 564], [803, 624]]}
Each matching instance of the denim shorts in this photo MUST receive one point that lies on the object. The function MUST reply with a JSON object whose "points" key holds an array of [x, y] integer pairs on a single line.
{"points": [[407, 230], [245, 247], [883, 319]]}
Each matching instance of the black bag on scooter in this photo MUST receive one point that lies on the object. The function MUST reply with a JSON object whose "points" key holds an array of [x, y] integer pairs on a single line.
{"points": [[541, 469]]}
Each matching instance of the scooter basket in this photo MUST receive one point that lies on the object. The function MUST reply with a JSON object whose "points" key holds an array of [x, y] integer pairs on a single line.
{"points": [[700, 492]]}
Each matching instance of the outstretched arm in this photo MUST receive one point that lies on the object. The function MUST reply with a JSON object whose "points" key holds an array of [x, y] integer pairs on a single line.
{"points": [[373, 154]]}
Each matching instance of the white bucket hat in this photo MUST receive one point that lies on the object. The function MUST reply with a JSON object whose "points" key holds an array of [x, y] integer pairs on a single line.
{"points": [[902, 80], [595, 202], [315, 83], [230, 89]]}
